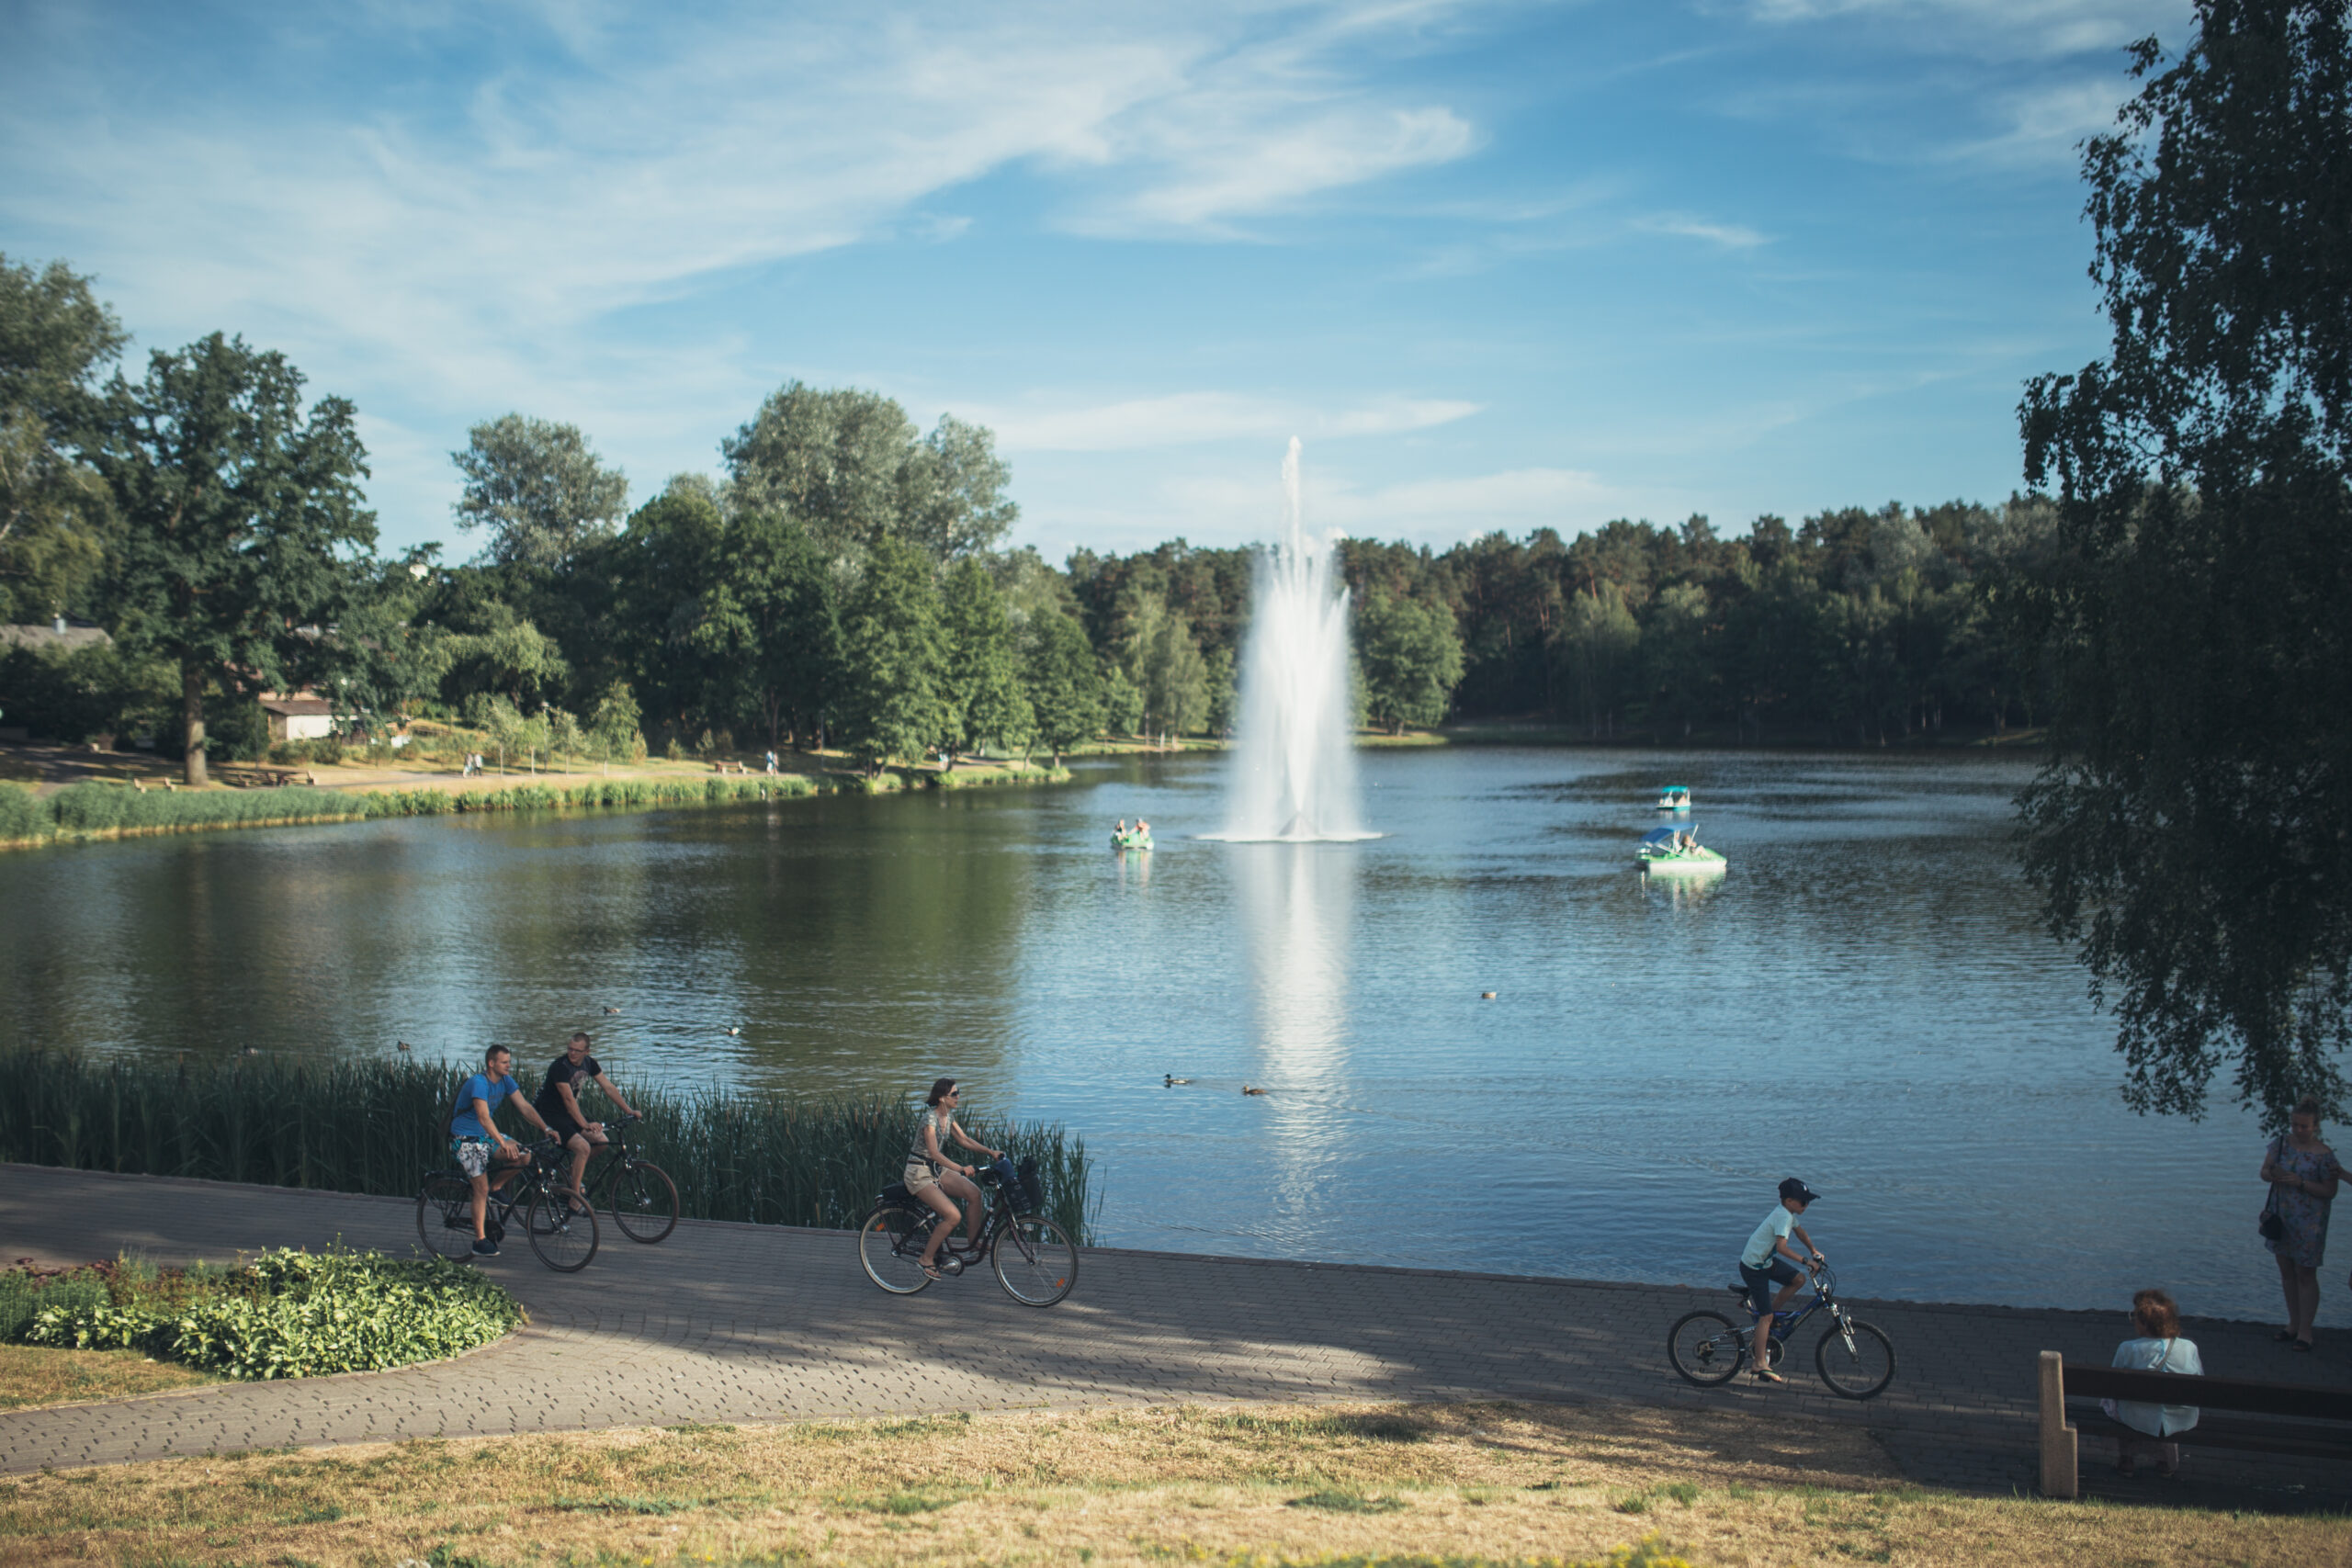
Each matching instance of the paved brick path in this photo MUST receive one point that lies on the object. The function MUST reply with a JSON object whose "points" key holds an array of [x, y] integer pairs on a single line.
{"points": [[754, 1322]]}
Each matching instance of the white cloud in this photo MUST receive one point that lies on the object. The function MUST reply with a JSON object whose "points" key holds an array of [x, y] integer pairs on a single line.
{"points": [[1188, 418], [2047, 126], [1731, 236], [465, 245], [2002, 29]]}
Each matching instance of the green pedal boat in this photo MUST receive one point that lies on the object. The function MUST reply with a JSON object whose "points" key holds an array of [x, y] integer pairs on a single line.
{"points": [[1131, 840], [1676, 851]]}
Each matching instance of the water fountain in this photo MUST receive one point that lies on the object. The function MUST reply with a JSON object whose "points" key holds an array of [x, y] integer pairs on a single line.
{"points": [[1295, 771]]}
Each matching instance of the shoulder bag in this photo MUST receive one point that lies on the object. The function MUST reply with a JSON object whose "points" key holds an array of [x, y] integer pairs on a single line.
{"points": [[2271, 1226]]}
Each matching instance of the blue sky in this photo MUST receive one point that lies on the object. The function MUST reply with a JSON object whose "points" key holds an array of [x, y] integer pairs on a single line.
{"points": [[1501, 266]]}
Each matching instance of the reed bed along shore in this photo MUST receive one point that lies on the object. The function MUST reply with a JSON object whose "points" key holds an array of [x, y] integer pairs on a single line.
{"points": [[108, 810], [378, 1127]]}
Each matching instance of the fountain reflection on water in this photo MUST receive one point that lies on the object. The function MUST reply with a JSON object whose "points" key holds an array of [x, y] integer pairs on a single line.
{"points": [[1294, 774]]}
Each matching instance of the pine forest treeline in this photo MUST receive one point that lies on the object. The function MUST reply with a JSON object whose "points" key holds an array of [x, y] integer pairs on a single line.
{"points": [[847, 583]]}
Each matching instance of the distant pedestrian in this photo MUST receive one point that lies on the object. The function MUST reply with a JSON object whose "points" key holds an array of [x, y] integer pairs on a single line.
{"points": [[771, 761], [2302, 1173], [2159, 1349]]}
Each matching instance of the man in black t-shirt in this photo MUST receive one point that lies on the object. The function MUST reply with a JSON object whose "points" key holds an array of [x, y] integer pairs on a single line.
{"points": [[559, 1103]]}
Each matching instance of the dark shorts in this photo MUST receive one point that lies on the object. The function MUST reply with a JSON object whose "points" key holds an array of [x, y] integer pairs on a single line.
{"points": [[1777, 1271]]}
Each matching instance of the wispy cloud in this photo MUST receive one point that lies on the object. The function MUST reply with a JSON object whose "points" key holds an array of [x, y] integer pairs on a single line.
{"points": [[2003, 29], [437, 232], [1184, 419], [1731, 236]]}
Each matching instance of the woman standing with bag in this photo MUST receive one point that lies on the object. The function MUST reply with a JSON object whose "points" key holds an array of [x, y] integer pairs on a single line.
{"points": [[2302, 1173]]}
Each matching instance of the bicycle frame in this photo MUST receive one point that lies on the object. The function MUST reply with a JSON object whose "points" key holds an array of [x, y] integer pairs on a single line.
{"points": [[1786, 1321]]}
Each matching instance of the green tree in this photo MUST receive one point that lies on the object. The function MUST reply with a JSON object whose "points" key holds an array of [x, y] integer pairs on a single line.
{"points": [[1411, 656], [1062, 681], [239, 519], [54, 510], [983, 688], [767, 627], [849, 465], [1596, 640], [1123, 707], [1164, 664], [614, 727], [539, 489], [513, 657], [2188, 832], [895, 655]]}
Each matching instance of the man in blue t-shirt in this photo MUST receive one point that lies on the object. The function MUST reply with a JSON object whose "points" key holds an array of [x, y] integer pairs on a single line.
{"points": [[1769, 1261], [477, 1143]]}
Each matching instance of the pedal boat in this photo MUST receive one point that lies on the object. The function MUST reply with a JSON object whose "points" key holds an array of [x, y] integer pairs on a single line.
{"points": [[1658, 855], [1673, 797], [1131, 840]]}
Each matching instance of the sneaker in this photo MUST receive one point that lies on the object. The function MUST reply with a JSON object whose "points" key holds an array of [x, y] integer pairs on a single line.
{"points": [[485, 1248]]}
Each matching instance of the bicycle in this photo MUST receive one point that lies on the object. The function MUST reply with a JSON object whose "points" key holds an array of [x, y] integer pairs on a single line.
{"points": [[1033, 1257], [1856, 1359], [642, 1199], [564, 1236]]}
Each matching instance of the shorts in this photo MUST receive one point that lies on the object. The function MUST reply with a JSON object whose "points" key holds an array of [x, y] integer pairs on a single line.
{"points": [[1777, 1271], [472, 1155], [564, 1127], [918, 1175]]}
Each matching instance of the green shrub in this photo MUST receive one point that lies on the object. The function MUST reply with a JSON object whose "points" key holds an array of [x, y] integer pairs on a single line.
{"points": [[22, 814], [290, 1314]]}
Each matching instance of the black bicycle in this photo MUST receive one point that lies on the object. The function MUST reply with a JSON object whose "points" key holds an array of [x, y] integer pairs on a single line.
{"points": [[562, 1231], [1033, 1257], [1856, 1359], [637, 1194]]}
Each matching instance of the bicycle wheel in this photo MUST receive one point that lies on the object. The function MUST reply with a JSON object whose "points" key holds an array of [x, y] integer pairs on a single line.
{"points": [[1856, 1362], [1705, 1348], [889, 1246], [644, 1202], [1035, 1261], [445, 1215], [564, 1237]]}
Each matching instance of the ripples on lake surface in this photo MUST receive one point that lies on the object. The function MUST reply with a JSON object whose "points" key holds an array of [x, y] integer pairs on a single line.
{"points": [[1864, 1000]]}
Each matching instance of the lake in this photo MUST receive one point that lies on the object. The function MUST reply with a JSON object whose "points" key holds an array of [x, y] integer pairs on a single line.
{"points": [[1864, 1000]]}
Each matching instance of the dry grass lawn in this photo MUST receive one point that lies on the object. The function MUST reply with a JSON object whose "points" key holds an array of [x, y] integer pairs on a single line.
{"points": [[32, 1375], [1462, 1483]]}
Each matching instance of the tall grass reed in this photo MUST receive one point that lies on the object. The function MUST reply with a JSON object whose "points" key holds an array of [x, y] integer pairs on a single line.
{"points": [[100, 810], [378, 1127]]}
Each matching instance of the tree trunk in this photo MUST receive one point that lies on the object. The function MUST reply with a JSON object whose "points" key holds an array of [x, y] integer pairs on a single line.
{"points": [[193, 772]]}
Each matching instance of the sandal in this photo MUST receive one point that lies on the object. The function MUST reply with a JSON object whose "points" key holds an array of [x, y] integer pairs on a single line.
{"points": [[2284, 1337], [1764, 1374], [2304, 1345], [931, 1271]]}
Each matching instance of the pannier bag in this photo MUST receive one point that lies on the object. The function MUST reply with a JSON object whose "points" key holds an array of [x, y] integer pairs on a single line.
{"points": [[1033, 1191]]}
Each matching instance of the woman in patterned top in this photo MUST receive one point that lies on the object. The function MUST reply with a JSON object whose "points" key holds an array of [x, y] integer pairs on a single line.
{"points": [[2302, 1173], [940, 1181]]}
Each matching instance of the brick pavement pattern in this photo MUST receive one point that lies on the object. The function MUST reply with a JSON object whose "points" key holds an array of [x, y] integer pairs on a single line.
{"points": [[739, 1323]]}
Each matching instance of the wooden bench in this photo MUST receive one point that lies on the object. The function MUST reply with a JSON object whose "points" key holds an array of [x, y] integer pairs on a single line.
{"points": [[2263, 1417]]}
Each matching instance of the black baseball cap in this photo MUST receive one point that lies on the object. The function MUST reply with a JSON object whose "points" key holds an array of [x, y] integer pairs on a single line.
{"points": [[1797, 1190]]}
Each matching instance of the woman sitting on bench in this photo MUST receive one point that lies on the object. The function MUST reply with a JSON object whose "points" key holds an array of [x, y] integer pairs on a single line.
{"points": [[2159, 1348]]}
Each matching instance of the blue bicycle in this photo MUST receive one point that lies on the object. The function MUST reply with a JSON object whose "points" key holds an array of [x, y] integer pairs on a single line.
{"points": [[1856, 1359]]}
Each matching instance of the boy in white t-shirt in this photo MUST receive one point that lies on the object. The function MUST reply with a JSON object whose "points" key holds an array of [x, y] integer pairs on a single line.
{"points": [[1769, 1261]]}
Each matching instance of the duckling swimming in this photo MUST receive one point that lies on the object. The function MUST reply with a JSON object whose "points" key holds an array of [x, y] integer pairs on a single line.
{"points": [[1248, 1089]]}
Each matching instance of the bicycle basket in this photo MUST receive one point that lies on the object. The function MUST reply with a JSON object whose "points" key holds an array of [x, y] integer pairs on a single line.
{"points": [[1033, 1191]]}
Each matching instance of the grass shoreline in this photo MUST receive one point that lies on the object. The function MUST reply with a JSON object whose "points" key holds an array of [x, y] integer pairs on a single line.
{"points": [[97, 811], [1464, 1484]]}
